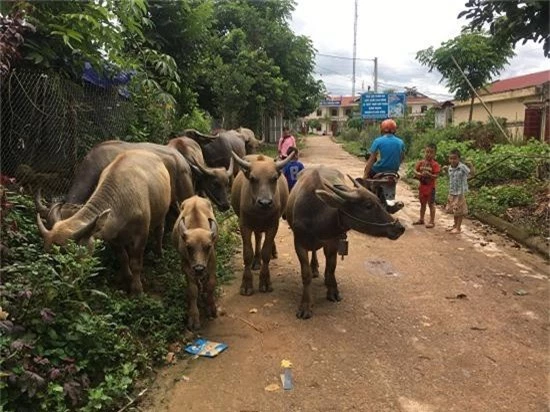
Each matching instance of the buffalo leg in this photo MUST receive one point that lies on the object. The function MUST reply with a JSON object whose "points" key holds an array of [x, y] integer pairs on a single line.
{"points": [[124, 260], [314, 265], [135, 253], [331, 251], [265, 278], [256, 262], [248, 255], [211, 287], [274, 254], [305, 309], [193, 316], [158, 235]]}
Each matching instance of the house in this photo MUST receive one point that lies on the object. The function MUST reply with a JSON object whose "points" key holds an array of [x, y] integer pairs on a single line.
{"points": [[418, 103], [333, 112], [523, 101], [443, 114]]}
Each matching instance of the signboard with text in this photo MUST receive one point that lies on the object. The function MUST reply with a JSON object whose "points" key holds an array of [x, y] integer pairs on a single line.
{"points": [[382, 105], [330, 102]]}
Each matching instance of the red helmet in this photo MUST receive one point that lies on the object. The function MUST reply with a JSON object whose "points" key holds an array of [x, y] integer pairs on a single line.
{"points": [[388, 126]]}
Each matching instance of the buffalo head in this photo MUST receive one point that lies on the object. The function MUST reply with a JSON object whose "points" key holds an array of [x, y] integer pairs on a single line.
{"points": [[197, 245], [262, 174], [216, 182], [360, 210], [75, 228]]}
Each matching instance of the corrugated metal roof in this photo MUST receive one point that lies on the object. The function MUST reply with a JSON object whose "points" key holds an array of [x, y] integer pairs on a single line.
{"points": [[519, 82]]}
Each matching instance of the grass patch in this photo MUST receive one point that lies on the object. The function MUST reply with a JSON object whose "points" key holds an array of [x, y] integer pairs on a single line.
{"points": [[70, 340]]}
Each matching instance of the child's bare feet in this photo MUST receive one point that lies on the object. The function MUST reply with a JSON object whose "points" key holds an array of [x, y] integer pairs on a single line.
{"points": [[418, 222], [455, 231], [429, 225], [450, 228]]}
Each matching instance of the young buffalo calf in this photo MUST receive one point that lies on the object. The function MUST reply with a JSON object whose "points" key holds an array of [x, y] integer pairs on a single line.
{"points": [[194, 235]]}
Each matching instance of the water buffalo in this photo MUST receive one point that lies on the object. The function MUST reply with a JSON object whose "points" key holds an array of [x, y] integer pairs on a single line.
{"points": [[251, 143], [214, 181], [132, 197], [194, 236], [99, 157], [320, 210], [258, 196], [217, 149]]}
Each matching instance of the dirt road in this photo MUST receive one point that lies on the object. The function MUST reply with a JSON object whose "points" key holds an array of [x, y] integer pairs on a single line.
{"points": [[400, 340]]}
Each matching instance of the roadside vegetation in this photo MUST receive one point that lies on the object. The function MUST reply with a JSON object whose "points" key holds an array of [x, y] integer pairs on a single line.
{"points": [[511, 179], [70, 339]]}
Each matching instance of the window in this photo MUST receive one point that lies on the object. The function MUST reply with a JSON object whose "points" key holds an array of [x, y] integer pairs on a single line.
{"points": [[348, 112], [423, 109], [334, 112], [319, 112]]}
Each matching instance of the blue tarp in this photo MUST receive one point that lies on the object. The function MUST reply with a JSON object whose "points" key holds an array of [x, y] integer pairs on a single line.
{"points": [[90, 75]]}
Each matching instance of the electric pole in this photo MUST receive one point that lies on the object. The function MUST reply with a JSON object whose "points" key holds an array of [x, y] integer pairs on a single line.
{"points": [[354, 49], [376, 75]]}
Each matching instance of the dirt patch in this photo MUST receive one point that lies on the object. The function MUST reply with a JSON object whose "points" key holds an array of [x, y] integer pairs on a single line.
{"points": [[396, 342]]}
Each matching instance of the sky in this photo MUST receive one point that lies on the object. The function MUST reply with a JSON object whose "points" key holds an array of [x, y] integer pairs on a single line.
{"points": [[393, 31]]}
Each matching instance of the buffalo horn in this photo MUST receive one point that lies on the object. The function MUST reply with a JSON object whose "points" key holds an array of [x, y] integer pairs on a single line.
{"points": [[43, 231], [88, 229], [205, 170], [357, 185], [282, 163], [345, 194], [56, 212], [40, 208], [243, 164], [231, 167], [213, 228]]}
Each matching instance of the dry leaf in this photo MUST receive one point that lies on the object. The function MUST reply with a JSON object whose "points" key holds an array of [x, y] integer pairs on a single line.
{"points": [[170, 357], [253, 310], [272, 388]]}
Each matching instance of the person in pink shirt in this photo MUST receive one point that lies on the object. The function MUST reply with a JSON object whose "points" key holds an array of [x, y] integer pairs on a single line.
{"points": [[285, 142]]}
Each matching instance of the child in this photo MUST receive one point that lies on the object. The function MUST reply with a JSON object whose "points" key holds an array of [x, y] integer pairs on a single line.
{"points": [[292, 168], [458, 187], [427, 171], [285, 142]]}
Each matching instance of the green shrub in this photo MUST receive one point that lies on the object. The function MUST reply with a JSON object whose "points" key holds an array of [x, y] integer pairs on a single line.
{"points": [[69, 340], [497, 199], [350, 134]]}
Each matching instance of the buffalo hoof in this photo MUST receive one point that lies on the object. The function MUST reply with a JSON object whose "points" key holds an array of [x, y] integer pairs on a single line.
{"points": [[256, 265], [266, 288], [314, 273], [333, 295], [304, 313], [193, 323], [245, 291]]}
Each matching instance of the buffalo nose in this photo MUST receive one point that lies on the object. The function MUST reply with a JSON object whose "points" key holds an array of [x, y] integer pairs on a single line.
{"points": [[199, 269], [265, 203]]}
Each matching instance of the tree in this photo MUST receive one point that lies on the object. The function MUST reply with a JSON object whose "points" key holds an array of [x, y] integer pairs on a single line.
{"points": [[511, 21], [480, 56]]}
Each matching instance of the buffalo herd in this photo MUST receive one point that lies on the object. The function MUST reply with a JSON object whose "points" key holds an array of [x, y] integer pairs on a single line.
{"points": [[122, 192]]}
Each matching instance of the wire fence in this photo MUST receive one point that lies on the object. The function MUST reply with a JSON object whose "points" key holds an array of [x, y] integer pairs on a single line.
{"points": [[48, 123]]}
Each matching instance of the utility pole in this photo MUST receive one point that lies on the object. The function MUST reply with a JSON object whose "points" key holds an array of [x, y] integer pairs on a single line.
{"points": [[376, 75], [354, 49]]}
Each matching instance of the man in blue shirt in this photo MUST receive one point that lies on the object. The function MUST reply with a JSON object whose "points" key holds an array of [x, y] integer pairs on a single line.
{"points": [[389, 148], [292, 168]]}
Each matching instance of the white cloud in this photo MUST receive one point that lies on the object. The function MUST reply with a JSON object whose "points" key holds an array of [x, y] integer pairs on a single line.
{"points": [[393, 31]]}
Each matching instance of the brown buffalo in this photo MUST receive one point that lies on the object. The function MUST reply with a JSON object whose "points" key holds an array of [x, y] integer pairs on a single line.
{"points": [[217, 149], [131, 198], [99, 157], [215, 182], [320, 210], [258, 196], [194, 235], [251, 143]]}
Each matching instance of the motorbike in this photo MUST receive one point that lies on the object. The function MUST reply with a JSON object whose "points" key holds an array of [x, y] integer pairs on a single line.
{"points": [[384, 185]]}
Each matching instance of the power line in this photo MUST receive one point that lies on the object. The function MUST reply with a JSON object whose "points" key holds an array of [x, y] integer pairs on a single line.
{"points": [[343, 57]]}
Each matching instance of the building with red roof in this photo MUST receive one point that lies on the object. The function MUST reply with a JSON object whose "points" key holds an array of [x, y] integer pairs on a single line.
{"points": [[522, 100]]}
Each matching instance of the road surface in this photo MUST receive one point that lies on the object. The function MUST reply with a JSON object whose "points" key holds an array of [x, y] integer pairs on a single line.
{"points": [[430, 322]]}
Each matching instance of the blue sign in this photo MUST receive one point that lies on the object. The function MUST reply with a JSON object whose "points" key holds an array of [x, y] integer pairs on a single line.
{"points": [[382, 105]]}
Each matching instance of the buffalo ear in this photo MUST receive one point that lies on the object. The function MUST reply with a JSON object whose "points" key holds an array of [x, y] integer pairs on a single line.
{"points": [[331, 199], [101, 220]]}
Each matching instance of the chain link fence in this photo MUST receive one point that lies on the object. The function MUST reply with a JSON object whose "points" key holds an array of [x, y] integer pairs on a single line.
{"points": [[48, 123]]}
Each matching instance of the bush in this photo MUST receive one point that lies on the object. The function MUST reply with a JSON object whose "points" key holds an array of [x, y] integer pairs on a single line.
{"points": [[70, 340], [497, 199]]}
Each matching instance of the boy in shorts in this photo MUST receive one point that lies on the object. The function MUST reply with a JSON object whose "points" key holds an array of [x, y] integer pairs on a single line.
{"points": [[458, 187], [427, 171]]}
